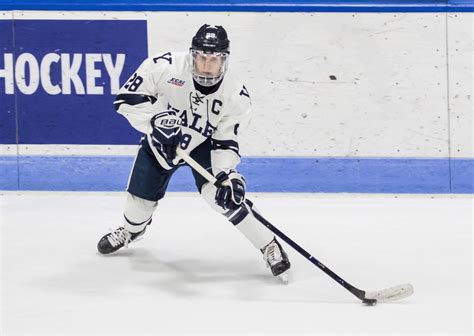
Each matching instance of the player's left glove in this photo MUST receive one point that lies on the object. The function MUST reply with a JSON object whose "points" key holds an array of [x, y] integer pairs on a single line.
{"points": [[166, 134], [230, 190]]}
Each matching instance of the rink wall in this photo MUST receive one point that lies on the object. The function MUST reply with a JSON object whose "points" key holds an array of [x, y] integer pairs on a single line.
{"points": [[355, 98]]}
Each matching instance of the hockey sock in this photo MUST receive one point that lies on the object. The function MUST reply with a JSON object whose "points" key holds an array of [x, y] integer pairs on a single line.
{"points": [[138, 213], [242, 219]]}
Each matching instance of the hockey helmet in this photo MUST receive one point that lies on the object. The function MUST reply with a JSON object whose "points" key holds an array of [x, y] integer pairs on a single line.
{"points": [[210, 42]]}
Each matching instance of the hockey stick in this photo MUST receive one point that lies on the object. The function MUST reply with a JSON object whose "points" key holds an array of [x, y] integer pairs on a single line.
{"points": [[369, 298]]}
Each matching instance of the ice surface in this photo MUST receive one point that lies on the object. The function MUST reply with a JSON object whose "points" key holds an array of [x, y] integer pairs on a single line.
{"points": [[194, 274]]}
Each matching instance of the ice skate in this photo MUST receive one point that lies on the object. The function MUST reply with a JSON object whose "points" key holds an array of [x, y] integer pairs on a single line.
{"points": [[277, 259], [117, 239]]}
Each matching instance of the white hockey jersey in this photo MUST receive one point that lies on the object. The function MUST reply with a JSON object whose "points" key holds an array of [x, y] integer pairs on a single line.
{"points": [[164, 82]]}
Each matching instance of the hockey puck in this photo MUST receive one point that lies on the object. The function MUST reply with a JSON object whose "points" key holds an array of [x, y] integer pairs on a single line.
{"points": [[332, 77], [369, 302]]}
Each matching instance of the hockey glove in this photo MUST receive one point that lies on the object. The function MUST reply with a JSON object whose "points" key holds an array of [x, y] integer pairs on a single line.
{"points": [[230, 190], [166, 134]]}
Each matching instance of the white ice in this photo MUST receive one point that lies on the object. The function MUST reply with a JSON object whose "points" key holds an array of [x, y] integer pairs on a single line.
{"points": [[193, 273]]}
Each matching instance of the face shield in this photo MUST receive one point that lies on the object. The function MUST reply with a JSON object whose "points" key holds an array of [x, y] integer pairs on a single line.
{"points": [[208, 67]]}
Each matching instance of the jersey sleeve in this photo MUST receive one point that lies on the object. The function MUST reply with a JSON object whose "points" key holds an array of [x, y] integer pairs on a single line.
{"points": [[225, 140], [136, 97]]}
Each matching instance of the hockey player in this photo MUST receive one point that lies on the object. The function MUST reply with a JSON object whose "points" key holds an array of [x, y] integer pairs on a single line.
{"points": [[191, 100]]}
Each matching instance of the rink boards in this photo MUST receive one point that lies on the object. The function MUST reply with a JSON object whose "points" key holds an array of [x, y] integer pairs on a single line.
{"points": [[342, 101]]}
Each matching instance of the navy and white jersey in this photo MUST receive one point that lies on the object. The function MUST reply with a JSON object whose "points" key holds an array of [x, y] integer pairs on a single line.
{"points": [[164, 82]]}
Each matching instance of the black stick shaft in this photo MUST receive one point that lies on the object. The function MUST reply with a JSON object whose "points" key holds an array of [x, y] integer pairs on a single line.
{"points": [[355, 291]]}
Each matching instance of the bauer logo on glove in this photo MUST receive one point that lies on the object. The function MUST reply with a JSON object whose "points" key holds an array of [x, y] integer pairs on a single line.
{"points": [[167, 122], [166, 134]]}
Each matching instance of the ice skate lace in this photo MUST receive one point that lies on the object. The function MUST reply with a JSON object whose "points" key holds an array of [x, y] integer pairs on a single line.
{"points": [[119, 236], [272, 254]]}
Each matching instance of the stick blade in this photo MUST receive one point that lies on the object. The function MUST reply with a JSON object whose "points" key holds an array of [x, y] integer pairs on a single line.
{"points": [[391, 294]]}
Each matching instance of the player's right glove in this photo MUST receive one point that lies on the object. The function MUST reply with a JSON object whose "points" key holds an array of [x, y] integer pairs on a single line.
{"points": [[230, 190], [166, 134]]}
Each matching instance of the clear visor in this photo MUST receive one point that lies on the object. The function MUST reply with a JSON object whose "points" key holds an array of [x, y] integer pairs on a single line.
{"points": [[208, 67]]}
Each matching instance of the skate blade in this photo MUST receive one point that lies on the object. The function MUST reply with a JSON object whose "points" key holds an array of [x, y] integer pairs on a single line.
{"points": [[285, 277]]}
